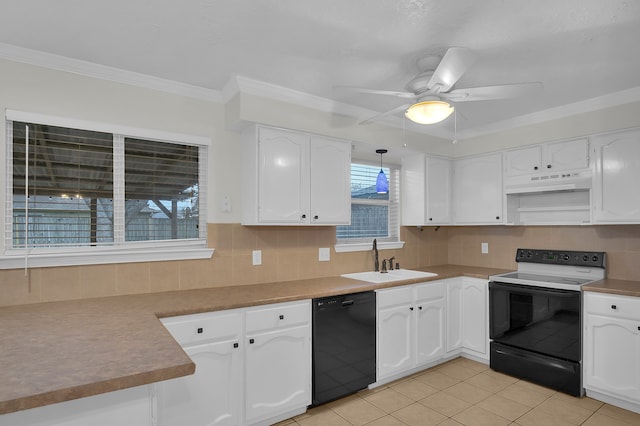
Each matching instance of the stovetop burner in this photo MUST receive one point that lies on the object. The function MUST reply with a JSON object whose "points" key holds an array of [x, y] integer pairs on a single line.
{"points": [[560, 269]]}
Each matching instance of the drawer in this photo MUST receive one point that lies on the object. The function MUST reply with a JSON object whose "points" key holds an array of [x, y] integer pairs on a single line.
{"points": [[430, 291], [394, 296], [281, 315], [612, 305], [205, 327]]}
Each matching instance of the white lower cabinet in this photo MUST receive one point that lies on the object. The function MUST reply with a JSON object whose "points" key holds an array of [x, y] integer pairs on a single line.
{"points": [[467, 317], [125, 407], [253, 366], [612, 348], [410, 327]]}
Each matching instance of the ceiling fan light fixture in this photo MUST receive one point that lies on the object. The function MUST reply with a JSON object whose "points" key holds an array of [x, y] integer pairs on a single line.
{"points": [[429, 112]]}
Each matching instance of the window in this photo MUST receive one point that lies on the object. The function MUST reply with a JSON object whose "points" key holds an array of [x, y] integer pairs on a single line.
{"points": [[92, 194], [373, 215]]}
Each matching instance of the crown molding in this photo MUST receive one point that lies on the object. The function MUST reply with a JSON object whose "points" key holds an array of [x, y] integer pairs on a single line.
{"points": [[76, 66]]}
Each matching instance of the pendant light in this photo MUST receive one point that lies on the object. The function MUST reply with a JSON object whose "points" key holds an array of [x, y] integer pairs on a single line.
{"points": [[382, 184]]}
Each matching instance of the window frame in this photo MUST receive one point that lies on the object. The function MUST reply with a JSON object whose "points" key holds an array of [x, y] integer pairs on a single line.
{"points": [[120, 252], [386, 243]]}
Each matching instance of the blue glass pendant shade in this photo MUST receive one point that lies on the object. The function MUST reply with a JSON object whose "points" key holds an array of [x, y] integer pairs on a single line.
{"points": [[382, 184]]}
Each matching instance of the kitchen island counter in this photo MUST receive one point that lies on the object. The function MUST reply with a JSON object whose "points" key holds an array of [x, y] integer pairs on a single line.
{"points": [[58, 351]]}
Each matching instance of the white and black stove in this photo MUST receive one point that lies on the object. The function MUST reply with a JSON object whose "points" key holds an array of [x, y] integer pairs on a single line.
{"points": [[535, 316]]}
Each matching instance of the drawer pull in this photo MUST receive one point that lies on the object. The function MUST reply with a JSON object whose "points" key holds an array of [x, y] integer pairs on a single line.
{"points": [[614, 307], [281, 317], [411, 308], [420, 307], [235, 345], [200, 330], [251, 341]]}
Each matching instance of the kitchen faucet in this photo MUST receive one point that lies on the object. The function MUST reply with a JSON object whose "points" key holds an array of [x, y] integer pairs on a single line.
{"points": [[391, 259], [376, 263]]}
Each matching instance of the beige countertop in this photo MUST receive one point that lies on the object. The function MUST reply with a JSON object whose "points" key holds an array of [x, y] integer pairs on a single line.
{"points": [[58, 351], [620, 287]]}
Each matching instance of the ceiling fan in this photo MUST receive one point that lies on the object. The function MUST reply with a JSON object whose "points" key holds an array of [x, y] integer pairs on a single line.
{"points": [[431, 90]]}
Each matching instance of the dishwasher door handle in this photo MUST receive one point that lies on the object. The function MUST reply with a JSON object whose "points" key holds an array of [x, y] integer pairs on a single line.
{"points": [[347, 303]]}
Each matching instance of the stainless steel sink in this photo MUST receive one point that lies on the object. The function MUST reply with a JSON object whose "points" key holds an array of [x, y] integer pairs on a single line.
{"points": [[395, 275]]}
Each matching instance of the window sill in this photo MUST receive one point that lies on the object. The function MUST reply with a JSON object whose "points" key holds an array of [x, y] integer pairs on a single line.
{"points": [[146, 252], [345, 248]]}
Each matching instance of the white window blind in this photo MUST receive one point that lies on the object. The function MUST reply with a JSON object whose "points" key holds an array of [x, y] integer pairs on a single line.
{"points": [[373, 215], [72, 188]]}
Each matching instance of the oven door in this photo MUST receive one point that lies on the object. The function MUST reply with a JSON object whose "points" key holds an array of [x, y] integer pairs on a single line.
{"points": [[542, 320]]}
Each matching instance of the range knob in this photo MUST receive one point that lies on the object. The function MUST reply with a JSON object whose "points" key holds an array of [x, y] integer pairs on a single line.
{"points": [[595, 258], [585, 258], [566, 257], [529, 254]]}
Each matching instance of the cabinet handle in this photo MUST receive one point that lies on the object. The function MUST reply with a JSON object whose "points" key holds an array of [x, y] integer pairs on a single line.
{"points": [[411, 308], [430, 218], [251, 341], [235, 345], [420, 307], [548, 166], [304, 216], [497, 217], [200, 330], [614, 307], [535, 168], [281, 317], [315, 217]]}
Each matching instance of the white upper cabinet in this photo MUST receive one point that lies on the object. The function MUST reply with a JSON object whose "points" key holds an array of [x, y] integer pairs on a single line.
{"points": [[477, 190], [616, 177], [293, 178], [426, 190], [548, 157]]}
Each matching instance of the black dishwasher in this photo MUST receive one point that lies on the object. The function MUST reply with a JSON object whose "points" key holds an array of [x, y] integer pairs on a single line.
{"points": [[344, 345]]}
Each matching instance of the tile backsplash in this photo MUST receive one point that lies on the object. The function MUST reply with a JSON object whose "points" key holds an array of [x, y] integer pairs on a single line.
{"points": [[291, 253]]}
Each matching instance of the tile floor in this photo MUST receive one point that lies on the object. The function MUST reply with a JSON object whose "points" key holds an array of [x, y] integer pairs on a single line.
{"points": [[463, 392]]}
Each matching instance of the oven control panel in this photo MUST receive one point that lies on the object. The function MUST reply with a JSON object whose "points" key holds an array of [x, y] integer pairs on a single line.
{"points": [[561, 257]]}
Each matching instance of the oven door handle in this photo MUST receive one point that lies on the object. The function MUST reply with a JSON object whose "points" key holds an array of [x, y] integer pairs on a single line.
{"points": [[527, 289]]}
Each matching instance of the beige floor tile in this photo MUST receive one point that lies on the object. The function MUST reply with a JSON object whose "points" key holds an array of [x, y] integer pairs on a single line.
{"points": [[445, 404], [450, 422], [585, 402], [469, 393], [357, 411], [620, 414], [414, 389], [538, 417], [419, 415], [323, 418], [565, 410], [504, 407], [491, 382], [457, 371], [524, 394], [601, 420], [476, 416], [311, 412], [387, 420], [389, 400], [437, 380], [288, 422], [473, 365]]}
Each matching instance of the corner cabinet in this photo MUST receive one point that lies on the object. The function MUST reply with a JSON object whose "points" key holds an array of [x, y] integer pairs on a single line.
{"points": [[477, 190], [253, 366], [410, 328], [426, 190], [293, 178], [612, 349], [616, 177], [467, 317]]}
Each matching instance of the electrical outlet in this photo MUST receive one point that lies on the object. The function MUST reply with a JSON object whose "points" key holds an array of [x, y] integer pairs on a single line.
{"points": [[257, 257], [484, 248], [324, 254]]}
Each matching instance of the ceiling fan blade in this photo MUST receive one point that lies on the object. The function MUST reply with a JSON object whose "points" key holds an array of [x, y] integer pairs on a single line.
{"points": [[492, 92], [377, 92], [384, 114], [453, 64]]}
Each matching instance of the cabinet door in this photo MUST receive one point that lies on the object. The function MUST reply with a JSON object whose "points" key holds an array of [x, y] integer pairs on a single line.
{"points": [[617, 173], [475, 317], [523, 161], [429, 330], [478, 190], [454, 316], [438, 191], [277, 372], [395, 339], [330, 181], [283, 177], [414, 190], [612, 356], [566, 155], [211, 396]]}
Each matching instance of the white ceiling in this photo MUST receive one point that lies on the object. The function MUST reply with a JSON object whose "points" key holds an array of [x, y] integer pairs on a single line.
{"points": [[581, 50]]}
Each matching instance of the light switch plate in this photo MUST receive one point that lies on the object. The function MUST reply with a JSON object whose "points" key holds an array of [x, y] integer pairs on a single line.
{"points": [[257, 257], [484, 248], [324, 254]]}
